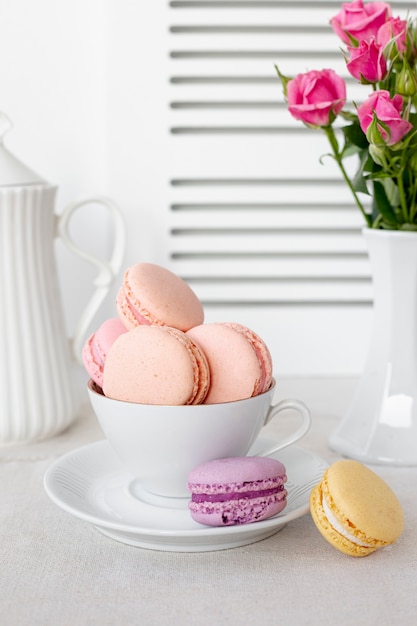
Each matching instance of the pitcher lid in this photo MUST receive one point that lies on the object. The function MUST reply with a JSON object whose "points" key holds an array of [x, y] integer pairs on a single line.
{"points": [[12, 171]]}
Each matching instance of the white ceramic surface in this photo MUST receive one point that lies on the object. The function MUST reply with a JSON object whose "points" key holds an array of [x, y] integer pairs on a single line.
{"points": [[192, 434], [381, 424], [91, 484], [39, 398]]}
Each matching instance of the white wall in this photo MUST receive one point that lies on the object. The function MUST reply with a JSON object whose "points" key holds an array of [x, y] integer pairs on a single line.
{"points": [[84, 83], [52, 73]]}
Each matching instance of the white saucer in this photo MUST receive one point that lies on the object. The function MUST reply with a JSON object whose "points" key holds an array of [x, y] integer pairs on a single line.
{"points": [[91, 484]]}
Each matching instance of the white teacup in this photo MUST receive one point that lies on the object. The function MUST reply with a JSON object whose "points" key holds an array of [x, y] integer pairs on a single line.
{"points": [[161, 444]]}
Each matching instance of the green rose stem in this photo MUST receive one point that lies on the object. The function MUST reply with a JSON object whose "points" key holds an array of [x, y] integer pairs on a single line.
{"points": [[407, 201], [403, 200], [335, 148]]}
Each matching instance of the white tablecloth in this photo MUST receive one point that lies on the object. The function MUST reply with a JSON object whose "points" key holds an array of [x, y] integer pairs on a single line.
{"points": [[57, 569]]}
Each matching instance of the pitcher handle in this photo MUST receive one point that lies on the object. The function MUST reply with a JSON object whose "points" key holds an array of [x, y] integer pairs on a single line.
{"points": [[108, 270]]}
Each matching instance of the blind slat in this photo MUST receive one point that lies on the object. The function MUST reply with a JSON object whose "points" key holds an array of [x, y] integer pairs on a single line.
{"points": [[253, 214]]}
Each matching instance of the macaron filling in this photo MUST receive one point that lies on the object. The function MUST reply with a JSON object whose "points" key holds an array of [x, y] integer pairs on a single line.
{"points": [[337, 526], [224, 497], [262, 354], [97, 354], [265, 378], [199, 365], [138, 317]]}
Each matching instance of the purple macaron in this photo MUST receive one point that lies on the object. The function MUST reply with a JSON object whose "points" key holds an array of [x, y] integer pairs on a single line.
{"points": [[238, 490]]}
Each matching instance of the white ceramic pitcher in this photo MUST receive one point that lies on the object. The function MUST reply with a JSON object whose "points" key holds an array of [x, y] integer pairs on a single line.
{"points": [[38, 395]]}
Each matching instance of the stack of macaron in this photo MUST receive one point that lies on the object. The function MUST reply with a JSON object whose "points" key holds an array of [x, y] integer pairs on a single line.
{"points": [[158, 350]]}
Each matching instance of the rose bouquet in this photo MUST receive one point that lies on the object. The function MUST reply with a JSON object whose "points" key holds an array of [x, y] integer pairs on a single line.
{"points": [[380, 52]]}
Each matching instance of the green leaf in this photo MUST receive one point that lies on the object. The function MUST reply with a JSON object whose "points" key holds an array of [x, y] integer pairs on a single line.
{"points": [[383, 205], [413, 119], [349, 116], [284, 80], [350, 150], [359, 180], [355, 135], [371, 166], [392, 192]]}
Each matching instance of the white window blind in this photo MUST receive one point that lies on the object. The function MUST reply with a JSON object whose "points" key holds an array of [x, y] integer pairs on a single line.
{"points": [[236, 199]]}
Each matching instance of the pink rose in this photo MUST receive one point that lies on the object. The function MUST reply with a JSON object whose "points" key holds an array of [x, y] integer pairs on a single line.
{"points": [[316, 97], [367, 63], [388, 112], [360, 21], [396, 28]]}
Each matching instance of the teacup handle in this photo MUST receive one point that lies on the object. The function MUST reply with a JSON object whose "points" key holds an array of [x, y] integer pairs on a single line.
{"points": [[285, 405], [108, 270]]}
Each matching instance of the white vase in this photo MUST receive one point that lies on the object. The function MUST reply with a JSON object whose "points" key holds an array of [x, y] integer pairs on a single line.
{"points": [[381, 424], [39, 398]]}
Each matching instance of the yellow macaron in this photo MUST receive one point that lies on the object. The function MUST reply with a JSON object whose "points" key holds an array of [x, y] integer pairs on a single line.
{"points": [[355, 510]]}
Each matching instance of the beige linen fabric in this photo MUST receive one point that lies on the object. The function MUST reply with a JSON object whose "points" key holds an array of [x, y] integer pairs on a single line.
{"points": [[56, 569]]}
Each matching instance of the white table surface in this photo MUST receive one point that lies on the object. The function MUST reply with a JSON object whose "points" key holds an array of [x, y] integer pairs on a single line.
{"points": [[57, 569]]}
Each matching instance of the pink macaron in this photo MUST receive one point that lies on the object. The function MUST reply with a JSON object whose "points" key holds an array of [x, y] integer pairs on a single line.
{"points": [[239, 490], [97, 346], [151, 294], [239, 360], [156, 365]]}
